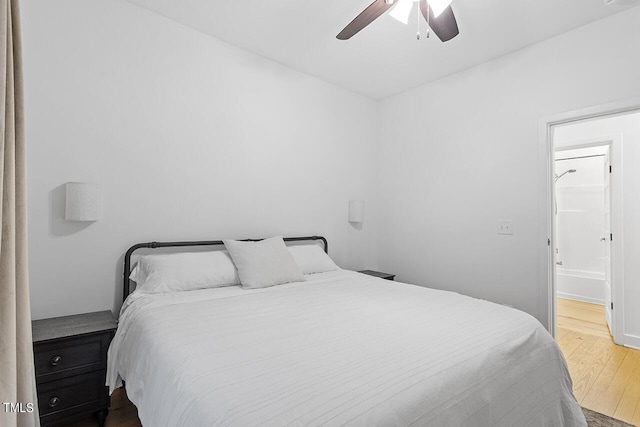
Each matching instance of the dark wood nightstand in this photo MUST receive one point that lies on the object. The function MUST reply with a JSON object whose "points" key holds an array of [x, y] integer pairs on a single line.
{"points": [[70, 356], [379, 274]]}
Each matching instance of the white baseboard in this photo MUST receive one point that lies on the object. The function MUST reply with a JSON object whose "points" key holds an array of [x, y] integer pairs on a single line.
{"points": [[632, 341], [579, 298]]}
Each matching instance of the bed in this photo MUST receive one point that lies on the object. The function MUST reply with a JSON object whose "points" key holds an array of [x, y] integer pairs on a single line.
{"points": [[336, 348]]}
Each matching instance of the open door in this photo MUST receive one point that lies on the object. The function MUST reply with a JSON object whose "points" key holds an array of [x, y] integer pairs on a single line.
{"points": [[606, 241]]}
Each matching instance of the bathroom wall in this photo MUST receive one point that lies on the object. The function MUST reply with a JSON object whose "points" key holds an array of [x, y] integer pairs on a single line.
{"points": [[580, 225]]}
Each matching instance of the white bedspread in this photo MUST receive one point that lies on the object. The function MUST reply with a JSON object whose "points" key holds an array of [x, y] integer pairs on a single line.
{"points": [[341, 348]]}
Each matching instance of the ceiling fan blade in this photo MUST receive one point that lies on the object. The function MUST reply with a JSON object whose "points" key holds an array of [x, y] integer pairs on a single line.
{"points": [[365, 18], [445, 25]]}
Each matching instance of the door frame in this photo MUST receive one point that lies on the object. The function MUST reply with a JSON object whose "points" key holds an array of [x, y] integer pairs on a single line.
{"points": [[546, 199], [616, 261]]}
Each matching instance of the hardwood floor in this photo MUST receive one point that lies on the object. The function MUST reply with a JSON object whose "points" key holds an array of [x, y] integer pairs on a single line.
{"points": [[606, 376]]}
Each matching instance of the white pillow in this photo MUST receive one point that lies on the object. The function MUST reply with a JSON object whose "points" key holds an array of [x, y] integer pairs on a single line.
{"points": [[312, 259], [264, 263], [184, 271]]}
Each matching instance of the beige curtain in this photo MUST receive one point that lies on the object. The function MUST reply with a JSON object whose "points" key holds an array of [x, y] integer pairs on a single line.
{"points": [[17, 379]]}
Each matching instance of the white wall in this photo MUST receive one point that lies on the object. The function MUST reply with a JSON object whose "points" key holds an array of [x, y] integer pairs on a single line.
{"points": [[192, 138], [462, 152], [189, 137], [628, 126]]}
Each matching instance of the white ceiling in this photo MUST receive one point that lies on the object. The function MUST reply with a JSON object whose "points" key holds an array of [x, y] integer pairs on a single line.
{"points": [[385, 58]]}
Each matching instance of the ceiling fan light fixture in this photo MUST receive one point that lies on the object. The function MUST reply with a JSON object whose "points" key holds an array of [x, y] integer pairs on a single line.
{"points": [[438, 6], [445, 27], [402, 10]]}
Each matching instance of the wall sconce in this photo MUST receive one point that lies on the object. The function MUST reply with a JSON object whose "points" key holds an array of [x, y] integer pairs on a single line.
{"points": [[356, 211], [82, 201]]}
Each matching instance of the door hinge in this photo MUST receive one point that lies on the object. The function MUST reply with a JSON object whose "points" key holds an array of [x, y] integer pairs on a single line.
{"points": [[610, 168], [548, 242], [611, 237], [611, 305]]}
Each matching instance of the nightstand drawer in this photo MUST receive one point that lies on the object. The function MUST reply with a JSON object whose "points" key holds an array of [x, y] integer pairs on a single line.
{"points": [[73, 392], [71, 356]]}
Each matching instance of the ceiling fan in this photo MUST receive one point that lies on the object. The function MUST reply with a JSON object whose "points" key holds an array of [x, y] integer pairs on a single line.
{"points": [[437, 13]]}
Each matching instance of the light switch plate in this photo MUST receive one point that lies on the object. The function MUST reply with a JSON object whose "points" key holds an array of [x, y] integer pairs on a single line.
{"points": [[505, 226]]}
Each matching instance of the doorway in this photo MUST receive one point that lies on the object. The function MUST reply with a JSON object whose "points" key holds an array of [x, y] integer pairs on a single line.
{"points": [[600, 136], [599, 340], [583, 235]]}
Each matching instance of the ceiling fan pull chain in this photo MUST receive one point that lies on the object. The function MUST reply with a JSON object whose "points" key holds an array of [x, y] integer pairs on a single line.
{"points": [[418, 33], [428, 16]]}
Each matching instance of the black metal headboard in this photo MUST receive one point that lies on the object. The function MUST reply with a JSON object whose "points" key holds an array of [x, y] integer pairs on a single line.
{"points": [[154, 245]]}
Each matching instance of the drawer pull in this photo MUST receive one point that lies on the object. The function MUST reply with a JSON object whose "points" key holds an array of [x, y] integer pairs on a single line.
{"points": [[53, 402], [55, 360]]}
